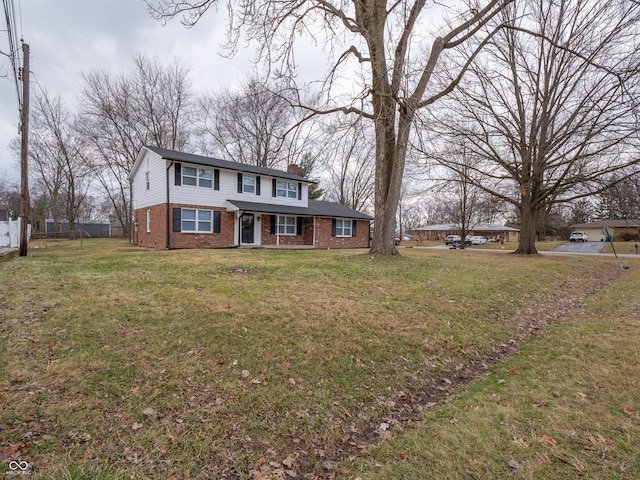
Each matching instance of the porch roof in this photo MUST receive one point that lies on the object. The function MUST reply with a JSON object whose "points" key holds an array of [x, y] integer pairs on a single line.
{"points": [[316, 208]]}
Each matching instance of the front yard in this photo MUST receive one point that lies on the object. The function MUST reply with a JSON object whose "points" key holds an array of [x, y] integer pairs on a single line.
{"points": [[118, 362]]}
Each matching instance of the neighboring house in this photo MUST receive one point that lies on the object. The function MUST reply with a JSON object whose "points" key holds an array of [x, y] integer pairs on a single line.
{"points": [[438, 232], [619, 230], [182, 200]]}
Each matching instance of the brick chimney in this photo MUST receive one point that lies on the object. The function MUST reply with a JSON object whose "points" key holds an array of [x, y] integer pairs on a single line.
{"points": [[293, 168]]}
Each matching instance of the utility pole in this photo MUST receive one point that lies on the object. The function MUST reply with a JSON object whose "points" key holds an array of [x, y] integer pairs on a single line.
{"points": [[24, 153]]}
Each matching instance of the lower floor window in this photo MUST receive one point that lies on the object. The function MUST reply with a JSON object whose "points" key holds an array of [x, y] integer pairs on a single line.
{"points": [[343, 228], [286, 225], [194, 220]]}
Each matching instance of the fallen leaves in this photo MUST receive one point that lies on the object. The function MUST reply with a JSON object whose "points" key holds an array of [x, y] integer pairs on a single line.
{"points": [[520, 442], [12, 451], [547, 440], [627, 410]]}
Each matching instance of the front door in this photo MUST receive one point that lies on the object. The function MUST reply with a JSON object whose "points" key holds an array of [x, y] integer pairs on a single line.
{"points": [[247, 228]]}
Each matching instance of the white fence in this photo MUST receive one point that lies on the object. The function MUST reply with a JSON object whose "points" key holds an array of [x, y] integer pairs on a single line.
{"points": [[10, 234]]}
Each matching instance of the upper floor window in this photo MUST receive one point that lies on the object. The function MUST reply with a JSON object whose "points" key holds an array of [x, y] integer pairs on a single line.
{"points": [[148, 180], [197, 177], [286, 189], [248, 184]]}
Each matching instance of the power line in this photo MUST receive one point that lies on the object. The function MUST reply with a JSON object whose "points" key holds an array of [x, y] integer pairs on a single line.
{"points": [[14, 49]]}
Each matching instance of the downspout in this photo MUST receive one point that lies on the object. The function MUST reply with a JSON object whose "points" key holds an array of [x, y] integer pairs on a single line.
{"points": [[168, 210]]}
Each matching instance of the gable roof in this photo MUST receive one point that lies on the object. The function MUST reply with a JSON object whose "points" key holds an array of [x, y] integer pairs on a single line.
{"points": [[316, 208], [218, 163]]}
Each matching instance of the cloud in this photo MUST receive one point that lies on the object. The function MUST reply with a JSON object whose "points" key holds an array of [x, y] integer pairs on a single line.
{"points": [[69, 38]]}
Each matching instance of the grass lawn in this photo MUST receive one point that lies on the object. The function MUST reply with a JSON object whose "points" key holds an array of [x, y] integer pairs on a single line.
{"points": [[121, 362], [622, 248]]}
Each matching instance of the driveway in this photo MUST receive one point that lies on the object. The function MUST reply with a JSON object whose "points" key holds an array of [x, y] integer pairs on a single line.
{"points": [[580, 247]]}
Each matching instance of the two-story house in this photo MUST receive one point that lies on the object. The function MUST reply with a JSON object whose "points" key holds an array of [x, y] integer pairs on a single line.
{"points": [[182, 200]]}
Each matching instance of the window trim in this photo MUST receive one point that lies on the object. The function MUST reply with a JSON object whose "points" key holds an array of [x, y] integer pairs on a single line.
{"points": [[286, 189], [253, 186], [198, 178], [148, 220], [196, 220], [342, 228], [284, 225]]}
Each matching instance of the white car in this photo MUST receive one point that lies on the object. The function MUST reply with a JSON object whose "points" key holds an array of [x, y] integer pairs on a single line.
{"points": [[578, 237], [478, 240]]}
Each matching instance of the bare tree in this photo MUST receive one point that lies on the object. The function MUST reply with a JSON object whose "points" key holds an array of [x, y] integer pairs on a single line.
{"points": [[621, 201], [550, 105], [9, 195], [386, 41], [150, 105], [307, 169], [56, 152], [350, 163], [256, 126]]}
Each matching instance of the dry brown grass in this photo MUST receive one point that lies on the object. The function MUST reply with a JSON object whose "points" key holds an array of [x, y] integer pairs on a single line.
{"points": [[243, 355]]}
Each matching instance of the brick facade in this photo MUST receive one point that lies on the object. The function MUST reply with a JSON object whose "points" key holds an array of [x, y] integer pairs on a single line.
{"points": [[324, 239], [270, 239], [157, 235]]}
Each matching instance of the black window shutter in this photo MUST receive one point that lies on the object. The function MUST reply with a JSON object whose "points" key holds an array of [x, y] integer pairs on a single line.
{"points": [[178, 174], [257, 185], [273, 187], [239, 182], [333, 227], [177, 220], [272, 226], [216, 221], [216, 179], [299, 191], [353, 227], [299, 226]]}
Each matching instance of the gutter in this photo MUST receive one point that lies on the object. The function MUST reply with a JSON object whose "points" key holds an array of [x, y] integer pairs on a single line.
{"points": [[168, 209]]}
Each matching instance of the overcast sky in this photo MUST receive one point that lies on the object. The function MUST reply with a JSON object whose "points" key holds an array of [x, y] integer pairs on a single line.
{"points": [[71, 37]]}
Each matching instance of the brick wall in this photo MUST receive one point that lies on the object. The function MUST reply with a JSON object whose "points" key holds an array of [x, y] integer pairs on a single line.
{"points": [[271, 239], [325, 240], [157, 237]]}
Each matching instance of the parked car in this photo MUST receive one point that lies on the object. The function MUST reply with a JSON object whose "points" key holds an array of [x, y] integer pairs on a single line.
{"points": [[457, 243], [450, 239], [478, 240], [578, 237]]}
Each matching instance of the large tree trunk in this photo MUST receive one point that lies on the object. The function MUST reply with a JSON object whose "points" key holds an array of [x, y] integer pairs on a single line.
{"points": [[391, 151], [528, 223]]}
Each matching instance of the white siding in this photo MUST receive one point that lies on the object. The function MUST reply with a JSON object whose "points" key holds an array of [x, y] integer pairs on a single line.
{"points": [[157, 192], [187, 194]]}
